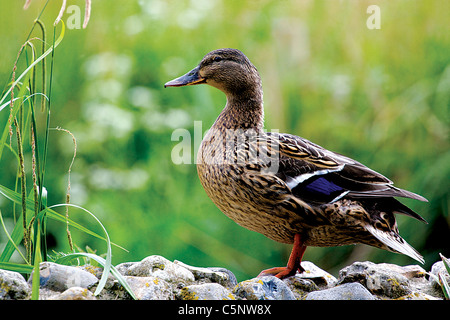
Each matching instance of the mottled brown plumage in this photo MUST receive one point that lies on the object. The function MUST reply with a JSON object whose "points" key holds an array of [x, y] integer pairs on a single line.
{"points": [[284, 186]]}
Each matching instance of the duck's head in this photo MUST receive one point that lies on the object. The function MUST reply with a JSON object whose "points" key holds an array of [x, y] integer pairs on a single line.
{"points": [[228, 70]]}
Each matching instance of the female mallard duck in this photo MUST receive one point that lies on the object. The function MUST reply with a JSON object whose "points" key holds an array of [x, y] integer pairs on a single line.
{"points": [[283, 186]]}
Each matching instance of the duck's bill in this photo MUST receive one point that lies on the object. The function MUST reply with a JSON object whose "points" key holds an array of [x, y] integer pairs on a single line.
{"points": [[190, 78]]}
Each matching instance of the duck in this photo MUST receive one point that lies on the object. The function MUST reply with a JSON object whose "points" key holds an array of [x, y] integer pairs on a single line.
{"points": [[283, 186]]}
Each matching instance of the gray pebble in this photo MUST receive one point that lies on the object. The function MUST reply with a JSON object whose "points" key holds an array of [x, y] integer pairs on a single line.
{"points": [[347, 291], [13, 286], [57, 277], [263, 288]]}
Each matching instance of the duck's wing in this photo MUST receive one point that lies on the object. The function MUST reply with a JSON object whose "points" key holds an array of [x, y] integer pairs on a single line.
{"points": [[318, 175]]}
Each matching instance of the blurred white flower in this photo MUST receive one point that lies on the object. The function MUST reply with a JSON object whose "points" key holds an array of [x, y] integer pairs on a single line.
{"points": [[118, 179], [110, 119]]}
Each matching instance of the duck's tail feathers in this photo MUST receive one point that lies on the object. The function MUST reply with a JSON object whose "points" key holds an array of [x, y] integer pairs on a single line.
{"points": [[408, 194], [395, 243], [399, 207]]}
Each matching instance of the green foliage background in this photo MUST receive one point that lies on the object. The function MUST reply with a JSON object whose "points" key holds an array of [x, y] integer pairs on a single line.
{"points": [[379, 96]]}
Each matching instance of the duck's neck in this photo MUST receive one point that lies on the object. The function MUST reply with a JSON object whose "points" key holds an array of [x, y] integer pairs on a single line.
{"points": [[243, 111]]}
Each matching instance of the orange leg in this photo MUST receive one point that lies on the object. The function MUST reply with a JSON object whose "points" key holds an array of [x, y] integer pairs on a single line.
{"points": [[293, 264]]}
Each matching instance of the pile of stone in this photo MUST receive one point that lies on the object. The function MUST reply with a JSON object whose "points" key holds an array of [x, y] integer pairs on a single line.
{"points": [[156, 278]]}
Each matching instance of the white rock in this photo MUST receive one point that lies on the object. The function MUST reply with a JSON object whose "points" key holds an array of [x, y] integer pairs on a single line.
{"points": [[221, 276], [57, 277], [263, 288], [157, 266], [13, 286], [74, 293], [320, 277], [150, 288], [347, 291], [206, 291]]}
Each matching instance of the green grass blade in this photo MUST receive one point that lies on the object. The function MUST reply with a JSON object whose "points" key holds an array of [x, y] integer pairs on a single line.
{"points": [[446, 263], [37, 261], [17, 233], [52, 214], [15, 239], [27, 75], [39, 59], [107, 265], [17, 267], [65, 259], [18, 230], [7, 103], [13, 243], [15, 197], [17, 103], [445, 286]]}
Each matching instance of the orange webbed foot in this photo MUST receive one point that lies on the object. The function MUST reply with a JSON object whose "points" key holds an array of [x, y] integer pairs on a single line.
{"points": [[293, 264], [281, 272]]}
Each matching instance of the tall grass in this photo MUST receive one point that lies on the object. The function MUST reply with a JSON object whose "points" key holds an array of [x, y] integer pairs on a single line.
{"points": [[26, 137]]}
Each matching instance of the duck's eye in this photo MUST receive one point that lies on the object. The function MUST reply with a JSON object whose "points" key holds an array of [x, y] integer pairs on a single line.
{"points": [[217, 59]]}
